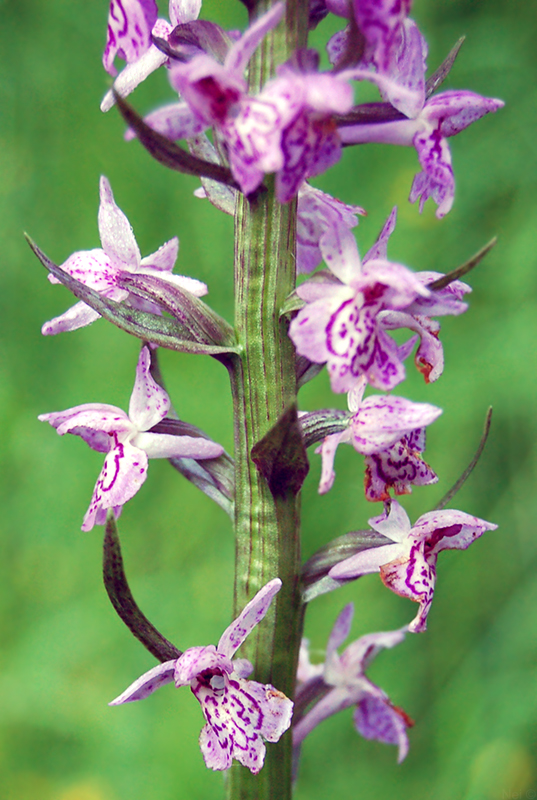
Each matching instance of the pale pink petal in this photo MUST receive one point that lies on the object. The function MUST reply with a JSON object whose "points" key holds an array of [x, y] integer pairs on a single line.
{"points": [[149, 402], [117, 237], [196, 660], [164, 258], [148, 683], [164, 445], [92, 416], [365, 563], [396, 526], [251, 615], [75, 317], [182, 11], [380, 248], [449, 530], [174, 121], [381, 421], [327, 451]]}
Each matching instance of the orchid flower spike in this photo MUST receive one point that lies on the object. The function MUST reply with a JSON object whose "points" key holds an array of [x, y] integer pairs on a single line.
{"points": [[407, 566], [344, 676], [102, 269], [127, 440], [240, 714]]}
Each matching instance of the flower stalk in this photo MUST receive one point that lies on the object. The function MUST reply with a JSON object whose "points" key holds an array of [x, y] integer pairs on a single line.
{"points": [[264, 386]]}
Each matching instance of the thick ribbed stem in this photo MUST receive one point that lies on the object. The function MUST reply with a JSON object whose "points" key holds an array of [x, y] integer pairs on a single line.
{"points": [[264, 386]]}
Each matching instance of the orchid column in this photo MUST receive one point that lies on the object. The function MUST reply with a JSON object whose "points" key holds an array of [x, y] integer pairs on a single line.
{"points": [[264, 389]]}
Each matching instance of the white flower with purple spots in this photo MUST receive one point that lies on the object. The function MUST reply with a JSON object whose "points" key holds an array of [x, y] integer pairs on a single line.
{"points": [[344, 676], [390, 432], [340, 323], [443, 115], [240, 714], [127, 440], [102, 269], [408, 565]]}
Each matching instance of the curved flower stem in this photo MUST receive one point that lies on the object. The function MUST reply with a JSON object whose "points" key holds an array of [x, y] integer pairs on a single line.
{"points": [[263, 379]]}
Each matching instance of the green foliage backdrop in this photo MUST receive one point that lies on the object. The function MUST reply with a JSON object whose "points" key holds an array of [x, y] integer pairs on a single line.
{"points": [[470, 681]]}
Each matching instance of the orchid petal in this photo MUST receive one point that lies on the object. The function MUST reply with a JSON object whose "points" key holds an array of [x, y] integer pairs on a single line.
{"points": [[117, 237], [78, 316], [376, 718], [123, 472], [174, 121], [251, 615], [382, 421], [129, 30], [365, 563], [182, 11], [148, 683], [164, 445], [149, 402], [241, 52]]}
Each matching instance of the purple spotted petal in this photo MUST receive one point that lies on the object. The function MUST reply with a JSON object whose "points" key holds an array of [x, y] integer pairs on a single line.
{"points": [[251, 615], [376, 718], [149, 402], [175, 121], [78, 316], [182, 11], [238, 715], [436, 179], [129, 30], [317, 215], [117, 237], [382, 421], [399, 468], [429, 356], [359, 655], [148, 683], [164, 258], [135, 73], [123, 473], [449, 530], [412, 576], [453, 111], [339, 633], [196, 660], [91, 418]]}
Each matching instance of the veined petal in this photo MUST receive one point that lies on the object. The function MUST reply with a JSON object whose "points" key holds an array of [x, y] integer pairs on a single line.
{"points": [[382, 421], [436, 180], [376, 718], [148, 683], [449, 530], [399, 468], [251, 615], [135, 73], [129, 30], [149, 402], [412, 576], [196, 660], [340, 253], [117, 237], [453, 111], [123, 473], [164, 445]]}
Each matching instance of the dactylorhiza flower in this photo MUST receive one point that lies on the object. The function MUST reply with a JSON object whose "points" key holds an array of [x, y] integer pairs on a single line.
{"points": [[102, 269], [340, 323], [347, 314], [127, 440], [442, 116], [240, 714], [131, 23], [408, 565], [344, 675], [390, 432], [391, 46]]}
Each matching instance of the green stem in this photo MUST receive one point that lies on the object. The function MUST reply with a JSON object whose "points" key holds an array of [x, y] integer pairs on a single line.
{"points": [[264, 385]]}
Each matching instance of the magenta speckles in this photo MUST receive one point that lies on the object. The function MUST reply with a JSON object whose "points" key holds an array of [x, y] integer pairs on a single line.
{"points": [[240, 714], [128, 444]]}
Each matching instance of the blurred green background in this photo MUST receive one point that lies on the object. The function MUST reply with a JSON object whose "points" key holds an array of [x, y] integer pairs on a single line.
{"points": [[469, 682]]}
